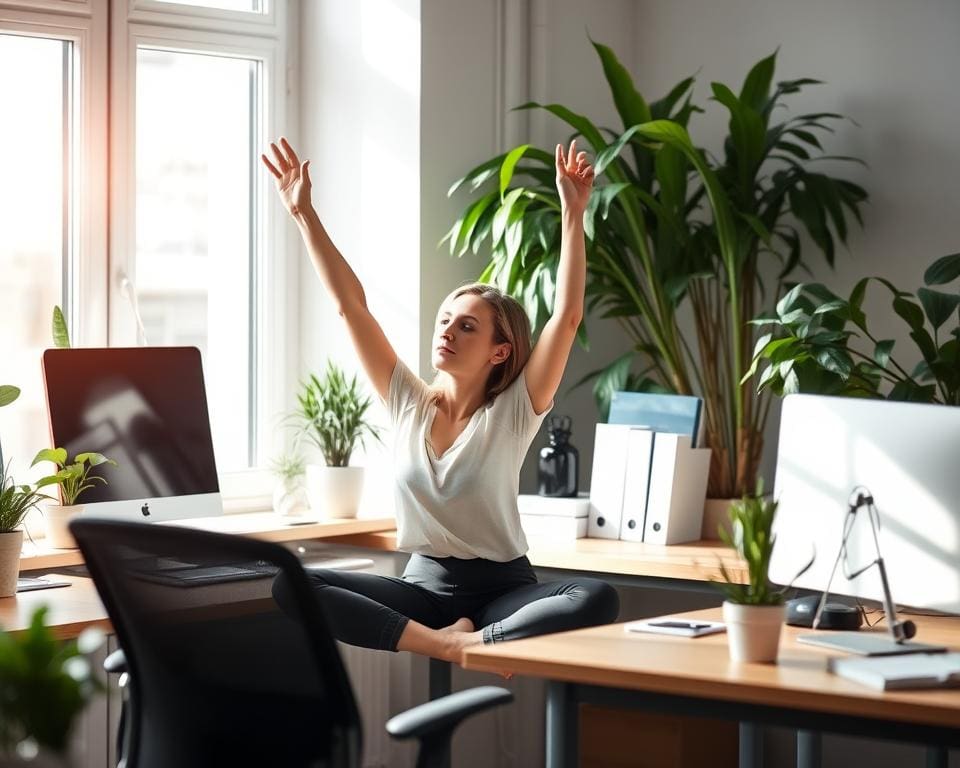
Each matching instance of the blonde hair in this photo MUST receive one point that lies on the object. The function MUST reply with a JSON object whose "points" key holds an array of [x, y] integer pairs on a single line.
{"points": [[510, 326]]}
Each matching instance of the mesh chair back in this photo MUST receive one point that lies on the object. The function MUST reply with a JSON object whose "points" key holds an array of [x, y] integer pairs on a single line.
{"points": [[220, 673]]}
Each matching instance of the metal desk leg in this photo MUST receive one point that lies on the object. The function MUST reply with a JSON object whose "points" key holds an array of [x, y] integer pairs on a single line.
{"points": [[937, 757], [751, 746], [808, 749], [440, 685], [562, 748]]}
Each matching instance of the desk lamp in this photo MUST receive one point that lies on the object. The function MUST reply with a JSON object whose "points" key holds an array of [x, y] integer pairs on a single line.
{"points": [[867, 644]]}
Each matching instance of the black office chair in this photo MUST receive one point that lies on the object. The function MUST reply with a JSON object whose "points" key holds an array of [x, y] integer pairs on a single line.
{"points": [[219, 675]]}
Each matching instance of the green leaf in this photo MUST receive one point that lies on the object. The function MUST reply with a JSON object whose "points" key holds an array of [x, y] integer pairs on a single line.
{"points": [[938, 306], [587, 129], [756, 87], [56, 456], [478, 175], [94, 459], [61, 338], [881, 353], [509, 163], [629, 103], [943, 270], [610, 153], [909, 312], [8, 393]]}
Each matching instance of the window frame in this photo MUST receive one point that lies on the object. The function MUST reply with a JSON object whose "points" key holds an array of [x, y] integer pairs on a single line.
{"points": [[103, 171]]}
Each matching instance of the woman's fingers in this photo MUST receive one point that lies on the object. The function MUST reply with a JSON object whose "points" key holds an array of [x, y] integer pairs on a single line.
{"points": [[571, 156], [271, 167], [282, 163], [561, 161], [305, 172], [291, 155]]}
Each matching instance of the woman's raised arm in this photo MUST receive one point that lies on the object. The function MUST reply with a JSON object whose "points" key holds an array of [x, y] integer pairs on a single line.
{"points": [[549, 358], [293, 185]]}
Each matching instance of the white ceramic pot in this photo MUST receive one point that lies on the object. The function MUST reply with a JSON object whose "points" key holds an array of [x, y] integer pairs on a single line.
{"points": [[58, 519], [753, 631], [334, 492], [716, 512], [10, 546], [290, 497]]}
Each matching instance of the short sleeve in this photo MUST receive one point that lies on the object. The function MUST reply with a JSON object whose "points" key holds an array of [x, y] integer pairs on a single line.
{"points": [[514, 409], [405, 391]]}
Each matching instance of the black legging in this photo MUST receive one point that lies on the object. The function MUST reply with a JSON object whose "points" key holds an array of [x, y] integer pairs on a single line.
{"points": [[503, 598]]}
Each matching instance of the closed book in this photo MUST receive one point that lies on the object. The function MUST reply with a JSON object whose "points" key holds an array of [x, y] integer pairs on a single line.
{"points": [[607, 479], [678, 490], [890, 673], [553, 527], [636, 483], [677, 414], [533, 504]]}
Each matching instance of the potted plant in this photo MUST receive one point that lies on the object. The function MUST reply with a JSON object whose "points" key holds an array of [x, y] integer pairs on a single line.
{"points": [[821, 343], [652, 251], [45, 684], [753, 612], [289, 493], [331, 415], [73, 478], [8, 393], [15, 502]]}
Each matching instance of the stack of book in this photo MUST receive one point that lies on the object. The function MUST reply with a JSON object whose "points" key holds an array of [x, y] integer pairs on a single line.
{"points": [[545, 518]]}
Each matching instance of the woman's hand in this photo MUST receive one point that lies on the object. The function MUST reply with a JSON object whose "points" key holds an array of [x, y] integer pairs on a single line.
{"points": [[574, 178], [292, 176]]}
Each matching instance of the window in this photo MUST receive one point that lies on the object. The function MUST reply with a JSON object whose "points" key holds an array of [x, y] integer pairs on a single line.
{"points": [[35, 247], [179, 245]]}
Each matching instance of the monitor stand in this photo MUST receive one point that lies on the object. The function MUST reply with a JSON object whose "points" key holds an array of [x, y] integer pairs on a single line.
{"points": [[868, 644]]}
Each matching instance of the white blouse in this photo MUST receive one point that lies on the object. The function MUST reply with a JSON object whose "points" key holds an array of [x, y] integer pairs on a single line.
{"points": [[464, 502]]}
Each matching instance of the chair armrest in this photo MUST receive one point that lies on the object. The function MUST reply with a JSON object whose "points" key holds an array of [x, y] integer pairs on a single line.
{"points": [[445, 714], [115, 663]]}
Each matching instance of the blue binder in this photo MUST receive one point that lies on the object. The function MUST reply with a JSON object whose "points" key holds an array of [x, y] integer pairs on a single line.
{"points": [[679, 414]]}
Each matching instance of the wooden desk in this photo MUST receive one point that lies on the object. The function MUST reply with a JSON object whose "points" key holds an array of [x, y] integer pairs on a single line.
{"points": [[266, 526], [697, 561], [76, 607], [610, 667]]}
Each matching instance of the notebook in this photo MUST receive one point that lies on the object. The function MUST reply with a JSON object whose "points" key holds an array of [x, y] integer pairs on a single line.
{"points": [[679, 414], [675, 625], [891, 673]]}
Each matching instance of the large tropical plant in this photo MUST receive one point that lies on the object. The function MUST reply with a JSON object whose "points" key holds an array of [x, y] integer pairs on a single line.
{"points": [[670, 226]]}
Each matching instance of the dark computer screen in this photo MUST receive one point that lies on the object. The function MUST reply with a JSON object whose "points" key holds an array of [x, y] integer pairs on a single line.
{"points": [[143, 407]]}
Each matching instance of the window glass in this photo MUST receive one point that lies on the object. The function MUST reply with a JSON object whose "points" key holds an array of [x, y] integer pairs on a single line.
{"points": [[195, 126], [34, 235]]}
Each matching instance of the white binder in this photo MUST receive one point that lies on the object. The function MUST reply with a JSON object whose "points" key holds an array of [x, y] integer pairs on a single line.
{"points": [[607, 480], [678, 490], [640, 444]]}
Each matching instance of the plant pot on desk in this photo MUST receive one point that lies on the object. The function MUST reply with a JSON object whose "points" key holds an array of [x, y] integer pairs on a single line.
{"points": [[753, 631], [58, 517], [716, 513], [334, 492], [10, 544]]}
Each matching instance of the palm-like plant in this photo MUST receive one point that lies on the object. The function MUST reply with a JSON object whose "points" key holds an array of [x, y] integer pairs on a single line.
{"points": [[651, 248]]}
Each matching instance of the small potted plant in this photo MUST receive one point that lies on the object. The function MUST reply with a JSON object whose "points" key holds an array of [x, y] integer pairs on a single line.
{"points": [[15, 502], [45, 684], [289, 494], [332, 416], [753, 612], [73, 478]]}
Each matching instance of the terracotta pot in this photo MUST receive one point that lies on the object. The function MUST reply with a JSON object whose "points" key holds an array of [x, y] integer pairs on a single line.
{"points": [[11, 543], [58, 519], [334, 492], [753, 631], [716, 512]]}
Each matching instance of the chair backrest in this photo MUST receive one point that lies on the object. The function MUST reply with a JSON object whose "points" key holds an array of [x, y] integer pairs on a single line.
{"points": [[221, 673]]}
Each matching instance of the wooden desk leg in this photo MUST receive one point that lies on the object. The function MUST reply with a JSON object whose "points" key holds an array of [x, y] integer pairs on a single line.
{"points": [[937, 757], [808, 749], [562, 748], [751, 745]]}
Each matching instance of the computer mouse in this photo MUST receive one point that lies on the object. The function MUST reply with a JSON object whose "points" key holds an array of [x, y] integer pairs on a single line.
{"points": [[800, 612]]}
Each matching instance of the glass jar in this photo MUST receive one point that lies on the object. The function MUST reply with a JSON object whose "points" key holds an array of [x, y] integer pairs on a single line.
{"points": [[559, 464]]}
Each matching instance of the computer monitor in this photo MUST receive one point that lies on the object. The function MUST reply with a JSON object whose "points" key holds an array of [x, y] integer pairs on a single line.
{"points": [[145, 408], [908, 456]]}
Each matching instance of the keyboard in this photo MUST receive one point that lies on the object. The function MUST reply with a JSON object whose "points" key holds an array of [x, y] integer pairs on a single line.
{"points": [[202, 575]]}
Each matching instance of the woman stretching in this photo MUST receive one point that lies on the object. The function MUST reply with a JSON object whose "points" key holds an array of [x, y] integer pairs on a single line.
{"points": [[459, 445]]}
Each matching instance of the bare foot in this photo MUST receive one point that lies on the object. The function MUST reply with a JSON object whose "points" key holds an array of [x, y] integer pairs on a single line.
{"points": [[460, 625]]}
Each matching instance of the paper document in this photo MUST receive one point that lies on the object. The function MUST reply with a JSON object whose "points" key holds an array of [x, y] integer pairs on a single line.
{"points": [[676, 625], [889, 673]]}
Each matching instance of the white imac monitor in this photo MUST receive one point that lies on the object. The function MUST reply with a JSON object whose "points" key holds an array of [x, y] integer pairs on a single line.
{"points": [[908, 456], [146, 409]]}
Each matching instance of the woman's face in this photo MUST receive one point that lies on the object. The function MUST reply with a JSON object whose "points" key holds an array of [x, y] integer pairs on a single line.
{"points": [[463, 339]]}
